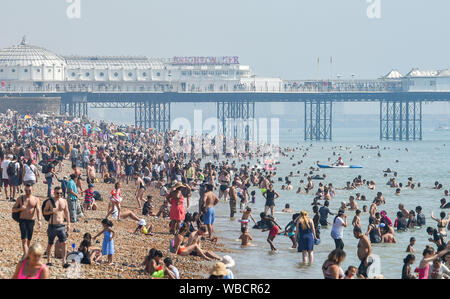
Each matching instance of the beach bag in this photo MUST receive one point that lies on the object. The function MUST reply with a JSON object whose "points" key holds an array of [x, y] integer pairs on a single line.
{"points": [[45, 169], [59, 250], [47, 217], [16, 216]]}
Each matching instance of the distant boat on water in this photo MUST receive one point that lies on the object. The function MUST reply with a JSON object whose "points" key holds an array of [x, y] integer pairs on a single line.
{"points": [[442, 128]]}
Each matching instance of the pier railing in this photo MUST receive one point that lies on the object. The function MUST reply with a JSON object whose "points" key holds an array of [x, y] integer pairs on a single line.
{"points": [[287, 86]]}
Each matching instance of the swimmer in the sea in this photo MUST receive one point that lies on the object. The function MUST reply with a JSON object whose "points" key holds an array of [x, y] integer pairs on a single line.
{"points": [[287, 209], [245, 237]]}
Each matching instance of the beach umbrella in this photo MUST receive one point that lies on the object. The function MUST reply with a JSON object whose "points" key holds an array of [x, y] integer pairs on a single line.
{"points": [[27, 117], [97, 129], [3, 83], [119, 134], [66, 122]]}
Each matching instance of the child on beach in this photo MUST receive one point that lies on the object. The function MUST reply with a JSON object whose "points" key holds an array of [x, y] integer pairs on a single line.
{"points": [[274, 228], [108, 241], [142, 228], [89, 202], [115, 199], [245, 237]]}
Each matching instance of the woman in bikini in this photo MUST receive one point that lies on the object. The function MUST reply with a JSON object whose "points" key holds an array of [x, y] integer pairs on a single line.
{"points": [[332, 267], [139, 194], [179, 249], [442, 223]]}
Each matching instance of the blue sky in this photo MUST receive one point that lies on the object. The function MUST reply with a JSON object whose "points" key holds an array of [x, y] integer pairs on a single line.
{"points": [[280, 38], [277, 38]]}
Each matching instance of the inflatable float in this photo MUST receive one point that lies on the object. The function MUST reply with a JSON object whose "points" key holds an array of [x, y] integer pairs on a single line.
{"points": [[338, 166]]}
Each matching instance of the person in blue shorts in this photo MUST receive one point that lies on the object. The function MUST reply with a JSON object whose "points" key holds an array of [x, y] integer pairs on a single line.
{"points": [[210, 200]]}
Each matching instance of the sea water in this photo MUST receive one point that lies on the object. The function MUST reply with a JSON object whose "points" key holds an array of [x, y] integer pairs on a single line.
{"points": [[426, 161]]}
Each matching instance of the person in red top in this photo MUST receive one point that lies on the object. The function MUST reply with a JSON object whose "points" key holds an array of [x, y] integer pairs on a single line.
{"points": [[115, 199], [89, 202], [177, 209]]}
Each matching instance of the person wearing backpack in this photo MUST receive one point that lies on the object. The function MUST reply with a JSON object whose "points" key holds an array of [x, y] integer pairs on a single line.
{"points": [[13, 177], [30, 173], [4, 168], [28, 208], [55, 211]]}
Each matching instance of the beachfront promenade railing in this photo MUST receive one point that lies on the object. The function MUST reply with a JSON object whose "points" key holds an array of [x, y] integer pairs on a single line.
{"points": [[288, 86]]}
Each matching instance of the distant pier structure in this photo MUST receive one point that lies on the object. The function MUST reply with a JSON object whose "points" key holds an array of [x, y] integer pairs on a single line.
{"points": [[152, 85]]}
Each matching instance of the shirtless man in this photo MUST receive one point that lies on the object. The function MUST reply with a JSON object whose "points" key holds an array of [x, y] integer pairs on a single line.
{"points": [[233, 198], [381, 197], [364, 251], [29, 207], [404, 211], [353, 206], [374, 209], [91, 172], [210, 200], [56, 227], [309, 186]]}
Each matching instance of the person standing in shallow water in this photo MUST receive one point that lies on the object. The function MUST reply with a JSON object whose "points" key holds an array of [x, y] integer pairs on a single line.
{"points": [[364, 251], [269, 195], [306, 236], [337, 231], [210, 200], [232, 193]]}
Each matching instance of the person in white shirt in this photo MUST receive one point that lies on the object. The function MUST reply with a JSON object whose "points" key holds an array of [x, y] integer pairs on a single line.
{"points": [[4, 167], [30, 173], [337, 231]]}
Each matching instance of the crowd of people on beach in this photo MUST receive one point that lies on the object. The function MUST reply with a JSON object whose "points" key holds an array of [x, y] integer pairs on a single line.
{"points": [[35, 148]]}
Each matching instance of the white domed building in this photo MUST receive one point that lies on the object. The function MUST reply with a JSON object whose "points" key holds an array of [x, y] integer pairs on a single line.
{"points": [[26, 62]]}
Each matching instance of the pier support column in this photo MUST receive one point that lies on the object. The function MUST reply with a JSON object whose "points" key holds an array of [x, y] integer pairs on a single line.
{"points": [[401, 120], [76, 105], [318, 120], [233, 118], [152, 114]]}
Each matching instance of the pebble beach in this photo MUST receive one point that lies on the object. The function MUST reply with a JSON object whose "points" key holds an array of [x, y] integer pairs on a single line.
{"points": [[130, 248]]}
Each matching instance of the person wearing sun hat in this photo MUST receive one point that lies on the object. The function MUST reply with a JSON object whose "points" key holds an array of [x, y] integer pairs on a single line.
{"points": [[218, 271], [229, 263]]}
